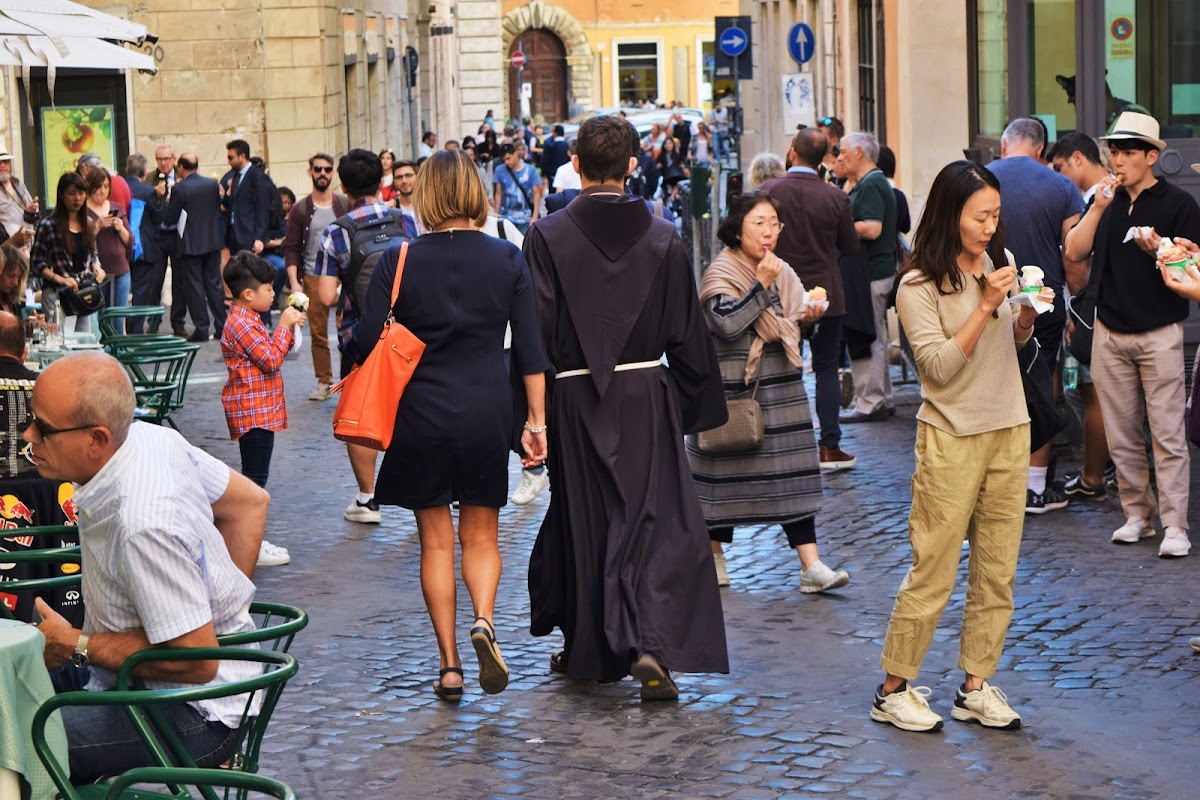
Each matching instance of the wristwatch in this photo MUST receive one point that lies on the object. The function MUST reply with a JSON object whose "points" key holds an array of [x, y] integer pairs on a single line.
{"points": [[80, 656]]}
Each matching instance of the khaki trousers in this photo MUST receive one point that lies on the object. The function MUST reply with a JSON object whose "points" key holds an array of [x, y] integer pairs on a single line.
{"points": [[872, 381], [318, 332], [1129, 369], [972, 486]]}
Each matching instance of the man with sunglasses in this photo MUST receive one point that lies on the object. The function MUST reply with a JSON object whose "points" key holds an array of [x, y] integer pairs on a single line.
{"points": [[170, 538], [301, 242]]}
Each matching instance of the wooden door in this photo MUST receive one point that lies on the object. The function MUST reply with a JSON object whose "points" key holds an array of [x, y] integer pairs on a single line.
{"points": [[546, 69]]}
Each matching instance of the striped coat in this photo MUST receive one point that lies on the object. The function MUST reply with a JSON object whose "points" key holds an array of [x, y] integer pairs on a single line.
{"points": [[781, 481]]}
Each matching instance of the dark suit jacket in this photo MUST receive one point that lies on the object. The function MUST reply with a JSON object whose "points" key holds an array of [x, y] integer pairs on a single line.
{"points": [[249, 207], [818, 227], [201, 198], [555, 153], [140, 189]]}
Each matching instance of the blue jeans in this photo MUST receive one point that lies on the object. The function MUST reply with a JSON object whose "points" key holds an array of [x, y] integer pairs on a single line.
{"points": [[280, 281], [120, 296]]}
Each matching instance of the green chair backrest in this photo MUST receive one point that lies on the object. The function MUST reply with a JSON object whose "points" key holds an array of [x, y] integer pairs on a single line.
{"points": [[45, 555], [152, 315], [179, 776], [116, 345], [278, 625], [145, 710], [154, 401]]}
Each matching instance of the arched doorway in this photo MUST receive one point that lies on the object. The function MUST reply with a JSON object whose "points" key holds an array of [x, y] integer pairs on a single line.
{"points": [[545, 68]]}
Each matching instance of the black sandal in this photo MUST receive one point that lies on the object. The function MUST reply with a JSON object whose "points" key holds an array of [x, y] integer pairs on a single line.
{"points": [[451, 694], [656, 680], [558, 661], [493, 674]]}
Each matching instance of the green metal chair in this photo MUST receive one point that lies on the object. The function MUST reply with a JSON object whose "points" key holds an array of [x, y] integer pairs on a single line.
{"points": [[107, 318], [121, 788], [48, 555], [154, 362], [154, 402], [278, 625], [144, 708], [116, 345]]}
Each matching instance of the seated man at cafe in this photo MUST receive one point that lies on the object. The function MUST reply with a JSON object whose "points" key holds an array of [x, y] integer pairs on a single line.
{"points": [[156, 568], [16, 387]]}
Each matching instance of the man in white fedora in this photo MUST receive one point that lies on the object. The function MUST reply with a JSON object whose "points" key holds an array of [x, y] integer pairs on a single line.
{"points": [[1137, 344], [18, 210]]}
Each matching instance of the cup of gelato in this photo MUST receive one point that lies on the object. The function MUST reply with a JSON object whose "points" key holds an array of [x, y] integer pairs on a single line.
{"points": [[1032, 280]]}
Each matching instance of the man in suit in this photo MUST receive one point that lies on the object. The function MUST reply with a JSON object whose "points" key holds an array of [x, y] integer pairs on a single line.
{"points": [[168, 236], [555, 153], [246, 198], [818, 228], [197, 276]]}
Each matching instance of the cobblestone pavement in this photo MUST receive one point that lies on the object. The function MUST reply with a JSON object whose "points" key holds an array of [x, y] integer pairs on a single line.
{"points": [[1097, 659]]}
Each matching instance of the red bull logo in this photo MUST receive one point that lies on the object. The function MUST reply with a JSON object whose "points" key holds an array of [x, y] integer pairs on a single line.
{"points": [[12, 508], [66, 501], [9, 601]]}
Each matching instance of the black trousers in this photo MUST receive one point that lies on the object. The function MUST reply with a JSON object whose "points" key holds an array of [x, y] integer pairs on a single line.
{"points": [[826, 344], [802, 531], [256, 446], [146, 280], [199, 278]]}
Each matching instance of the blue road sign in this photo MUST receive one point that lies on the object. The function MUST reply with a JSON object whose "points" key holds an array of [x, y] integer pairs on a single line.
{"points": [[733, 42], [801, 43]]}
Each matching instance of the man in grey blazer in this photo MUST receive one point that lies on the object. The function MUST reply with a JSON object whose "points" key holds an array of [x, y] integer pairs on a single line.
{"points": [[195, 208]]}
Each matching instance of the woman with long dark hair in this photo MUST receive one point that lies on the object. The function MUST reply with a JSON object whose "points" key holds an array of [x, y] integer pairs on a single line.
{"points": [[972, 450], [672, 167], [64, 248], [114, 242]]}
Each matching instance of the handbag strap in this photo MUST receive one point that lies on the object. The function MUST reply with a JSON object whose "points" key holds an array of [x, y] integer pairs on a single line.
{"points": [[399, 274]]}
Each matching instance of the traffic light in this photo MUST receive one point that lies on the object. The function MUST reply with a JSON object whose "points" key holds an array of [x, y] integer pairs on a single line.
{"points": [[701, 195], [733, 186], [410, 64], [735, 122]]}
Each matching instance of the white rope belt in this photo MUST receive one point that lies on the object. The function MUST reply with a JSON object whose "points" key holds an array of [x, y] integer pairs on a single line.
{"points": [[573, 373]]}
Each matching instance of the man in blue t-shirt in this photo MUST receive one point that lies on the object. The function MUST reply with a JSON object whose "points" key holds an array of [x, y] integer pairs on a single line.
{"points": [[518, 188], [1038, 207]]}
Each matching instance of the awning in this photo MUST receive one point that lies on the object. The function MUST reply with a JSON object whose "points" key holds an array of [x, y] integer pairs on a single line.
{"points": [[59, 34]]}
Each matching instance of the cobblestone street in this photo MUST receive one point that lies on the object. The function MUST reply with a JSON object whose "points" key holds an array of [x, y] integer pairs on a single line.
{"points": [[1097, 660]]}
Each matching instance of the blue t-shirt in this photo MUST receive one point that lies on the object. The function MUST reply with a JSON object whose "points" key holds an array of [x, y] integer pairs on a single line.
{"points": [[513, 202], [1034, 202]]}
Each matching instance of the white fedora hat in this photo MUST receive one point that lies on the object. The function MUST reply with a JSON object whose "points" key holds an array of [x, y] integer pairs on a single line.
{"points": [[1132, 125]]}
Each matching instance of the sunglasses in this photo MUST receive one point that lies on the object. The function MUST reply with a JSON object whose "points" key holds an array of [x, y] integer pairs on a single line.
{"points": [[825, 121], [321, 170], [45, 431]]}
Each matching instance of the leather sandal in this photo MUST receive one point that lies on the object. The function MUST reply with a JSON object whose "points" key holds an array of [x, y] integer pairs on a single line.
{"points": [[493, 673], [558, 661], [656, 680], [451, 694]]}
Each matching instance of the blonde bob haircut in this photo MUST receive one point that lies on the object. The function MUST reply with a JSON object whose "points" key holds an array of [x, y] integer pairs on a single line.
{"points": [[448, 186]]}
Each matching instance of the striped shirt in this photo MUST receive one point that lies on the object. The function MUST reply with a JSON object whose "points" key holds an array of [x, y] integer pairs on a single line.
{"points": [[253, 393], [153, 559]]}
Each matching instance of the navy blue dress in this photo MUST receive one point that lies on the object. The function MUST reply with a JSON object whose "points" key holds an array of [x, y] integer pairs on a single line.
{"points": [[454, 425]]}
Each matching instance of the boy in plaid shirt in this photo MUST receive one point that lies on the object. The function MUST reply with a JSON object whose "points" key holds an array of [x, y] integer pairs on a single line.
{"points": [[253, 394]]}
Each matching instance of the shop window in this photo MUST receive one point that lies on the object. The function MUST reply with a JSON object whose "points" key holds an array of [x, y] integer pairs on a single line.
{"points": [[991, 53], [1149, 48], [637, 72], [1052, 64]]}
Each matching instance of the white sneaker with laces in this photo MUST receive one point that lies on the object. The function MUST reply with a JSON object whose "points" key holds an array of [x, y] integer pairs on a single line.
{"points": [[722, 574], [271, 556], [320, 393], [367, 512], [1175, 543], [987, 706], [819, 577], [1132, 531], [532, 484], [908, 710]]}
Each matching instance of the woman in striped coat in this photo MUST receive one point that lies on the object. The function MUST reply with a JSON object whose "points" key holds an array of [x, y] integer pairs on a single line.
{"points": [[755, 304]]}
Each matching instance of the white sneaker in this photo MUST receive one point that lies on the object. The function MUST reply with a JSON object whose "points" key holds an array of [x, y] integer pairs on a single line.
{"points": [[532, 484], [722, 575], [271, 556], [908, 710], [1175, 543], [1132, 531], [320, 393], [1195, 643], [367, 512], [819, 577], [987, 706]]}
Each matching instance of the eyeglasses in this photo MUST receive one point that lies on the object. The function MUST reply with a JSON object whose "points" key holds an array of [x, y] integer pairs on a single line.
{"points": [[46, 431], [163, 158], [320, 170], [759, 224]]}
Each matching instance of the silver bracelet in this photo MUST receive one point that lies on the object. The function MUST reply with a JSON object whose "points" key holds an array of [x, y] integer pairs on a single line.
{"points": [[535, 429]]}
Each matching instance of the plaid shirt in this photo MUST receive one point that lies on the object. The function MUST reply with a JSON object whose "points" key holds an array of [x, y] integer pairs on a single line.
{"points": [[253, 394], [333, 259], [49, 251]]}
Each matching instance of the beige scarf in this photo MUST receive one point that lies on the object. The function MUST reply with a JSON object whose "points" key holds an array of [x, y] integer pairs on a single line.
{"points": [[732, 273]]}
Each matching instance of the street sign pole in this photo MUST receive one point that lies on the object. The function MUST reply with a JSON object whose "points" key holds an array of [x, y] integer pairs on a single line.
{"points": [[737, 109]]}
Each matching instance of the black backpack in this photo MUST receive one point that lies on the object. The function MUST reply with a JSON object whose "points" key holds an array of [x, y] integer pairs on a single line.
{"points": [[368, 242]]}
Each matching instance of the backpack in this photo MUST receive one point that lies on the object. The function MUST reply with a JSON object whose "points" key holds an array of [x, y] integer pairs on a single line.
{"points": [[368, 242], [137, 209]]}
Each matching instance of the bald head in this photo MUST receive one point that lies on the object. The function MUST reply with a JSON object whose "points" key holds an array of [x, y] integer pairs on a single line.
{"points": [[89, 389], [809, 146], [188, 163], [12, 336]]}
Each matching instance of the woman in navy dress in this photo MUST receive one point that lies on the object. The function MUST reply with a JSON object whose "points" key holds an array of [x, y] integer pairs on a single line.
{"points": [[459, 290]]}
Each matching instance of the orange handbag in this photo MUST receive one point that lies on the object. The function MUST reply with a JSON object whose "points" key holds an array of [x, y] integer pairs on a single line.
{"points": [[366, 413]]}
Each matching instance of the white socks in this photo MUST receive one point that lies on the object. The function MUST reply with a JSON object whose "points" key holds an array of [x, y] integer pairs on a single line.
{"points": [[1037, 479], [366, 498]]}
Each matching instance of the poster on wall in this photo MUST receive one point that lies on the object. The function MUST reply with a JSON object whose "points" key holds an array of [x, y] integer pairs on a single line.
{"points": [[1121, 52], [70, 131], [799, 101]]}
